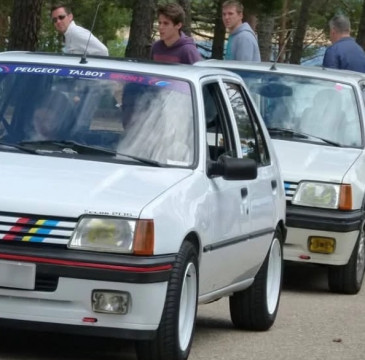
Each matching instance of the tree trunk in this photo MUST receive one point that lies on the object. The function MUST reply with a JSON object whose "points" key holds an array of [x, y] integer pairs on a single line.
{"points": [[25, 24], [301, 28], [361, 32], [283, 32], [140, 36], [185, 4], [4, 27], [219, 33], [265, 29]]}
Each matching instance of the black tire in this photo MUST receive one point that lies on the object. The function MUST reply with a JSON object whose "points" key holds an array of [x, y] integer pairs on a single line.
{"points": [[347, 279], [175, 333], [255, 308]]}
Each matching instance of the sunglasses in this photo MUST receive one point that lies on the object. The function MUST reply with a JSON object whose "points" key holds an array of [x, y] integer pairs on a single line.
{"points": [[59, 17]]}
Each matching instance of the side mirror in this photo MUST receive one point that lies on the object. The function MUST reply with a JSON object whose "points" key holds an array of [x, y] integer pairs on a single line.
{"points": [[233, 168]]}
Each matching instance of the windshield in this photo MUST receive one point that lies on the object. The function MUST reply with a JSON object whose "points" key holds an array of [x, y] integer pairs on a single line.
{"points": [[313, 109], [129, 115]]}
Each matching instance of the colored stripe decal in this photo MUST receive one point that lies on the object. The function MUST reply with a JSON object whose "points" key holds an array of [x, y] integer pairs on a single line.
{"points": [[85, 264], [45, 228]]}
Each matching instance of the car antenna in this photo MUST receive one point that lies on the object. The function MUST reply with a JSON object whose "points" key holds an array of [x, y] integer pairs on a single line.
{"points": [[83, 57], [273, 66]]}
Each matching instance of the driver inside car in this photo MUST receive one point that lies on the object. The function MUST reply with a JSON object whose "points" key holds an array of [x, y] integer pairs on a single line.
{"points": [[52, 118]]}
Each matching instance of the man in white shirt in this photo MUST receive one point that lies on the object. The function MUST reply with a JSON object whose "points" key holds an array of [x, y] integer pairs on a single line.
{"points": [[76, 37]]}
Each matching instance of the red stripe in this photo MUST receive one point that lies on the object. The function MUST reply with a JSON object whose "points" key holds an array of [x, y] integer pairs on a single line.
{"points": [[85, 264], [23, 221], [16, 228]]}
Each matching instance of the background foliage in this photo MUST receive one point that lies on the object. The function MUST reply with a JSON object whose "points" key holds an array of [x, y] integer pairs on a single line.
{"points": [[280, 22]]}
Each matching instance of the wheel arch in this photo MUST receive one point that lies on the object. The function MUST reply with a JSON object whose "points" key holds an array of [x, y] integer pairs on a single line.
{"points": [[193, 238], [281, 225]]}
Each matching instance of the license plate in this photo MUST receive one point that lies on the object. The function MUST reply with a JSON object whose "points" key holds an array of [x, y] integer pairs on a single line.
{"points": [[17, 275]]}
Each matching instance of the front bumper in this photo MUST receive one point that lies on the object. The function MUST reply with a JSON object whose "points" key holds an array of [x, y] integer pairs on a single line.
{"points": [[304, 222], [323, 219], [66, 303]]}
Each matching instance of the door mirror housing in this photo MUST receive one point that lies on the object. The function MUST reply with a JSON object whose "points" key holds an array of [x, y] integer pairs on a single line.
{"points": [[233, 168]]}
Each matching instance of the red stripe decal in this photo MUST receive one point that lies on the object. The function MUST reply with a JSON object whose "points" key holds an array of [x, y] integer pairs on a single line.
{"points": [[23, 221], [84, 264]]}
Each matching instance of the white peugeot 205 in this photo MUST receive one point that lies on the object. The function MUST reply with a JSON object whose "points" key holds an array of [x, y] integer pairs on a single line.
{"points": [[316, 119], [132, 192]]}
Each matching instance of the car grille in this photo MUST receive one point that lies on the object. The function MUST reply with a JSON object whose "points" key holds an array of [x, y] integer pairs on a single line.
{"points": [[290, 188], [36, 228]]}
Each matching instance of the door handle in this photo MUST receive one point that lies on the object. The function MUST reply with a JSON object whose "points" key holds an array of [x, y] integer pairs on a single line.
{"points": [[274, 184], [244, 192]]}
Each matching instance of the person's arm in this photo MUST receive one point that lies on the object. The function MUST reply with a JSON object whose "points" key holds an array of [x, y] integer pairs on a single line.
{"points": [[330, 59], [79, 38], [96, 47]]}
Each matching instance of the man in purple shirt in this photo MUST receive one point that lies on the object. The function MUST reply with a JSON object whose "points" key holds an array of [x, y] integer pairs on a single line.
{"points": [[174, 46], [344, 53]]}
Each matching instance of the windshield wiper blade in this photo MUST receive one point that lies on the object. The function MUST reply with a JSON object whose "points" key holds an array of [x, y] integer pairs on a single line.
{"points": [[142, 160], [19, 147], [302, 135], [287, 132], [67, 146]]}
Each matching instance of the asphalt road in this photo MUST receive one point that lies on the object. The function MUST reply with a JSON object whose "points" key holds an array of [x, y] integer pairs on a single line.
{"points": [[312, 324]]}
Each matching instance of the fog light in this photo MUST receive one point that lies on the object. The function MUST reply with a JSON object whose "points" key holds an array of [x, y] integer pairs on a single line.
{"points": [[111, 302], [321, 245]]}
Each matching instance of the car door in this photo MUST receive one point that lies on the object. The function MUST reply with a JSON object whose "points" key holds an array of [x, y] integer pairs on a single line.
{"points": [[227, 202], [264, 190]]}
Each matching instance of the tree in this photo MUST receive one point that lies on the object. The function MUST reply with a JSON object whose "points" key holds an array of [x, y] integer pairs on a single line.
{"points": [[361, 33], [25, 24], [297, 47], [140, 36], [185, 4], [219, 33]]}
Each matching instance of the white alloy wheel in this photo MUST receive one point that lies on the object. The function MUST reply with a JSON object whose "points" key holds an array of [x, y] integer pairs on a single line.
{"points": [[187, 306], [273, 285]]}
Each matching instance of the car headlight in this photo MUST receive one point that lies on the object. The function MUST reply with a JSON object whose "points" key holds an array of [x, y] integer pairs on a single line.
{"points": [[323, 195], [114, 235]]}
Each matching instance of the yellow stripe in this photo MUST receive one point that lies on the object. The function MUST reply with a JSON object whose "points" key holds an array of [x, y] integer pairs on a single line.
{"points": [[26, 238], [40, 222]]}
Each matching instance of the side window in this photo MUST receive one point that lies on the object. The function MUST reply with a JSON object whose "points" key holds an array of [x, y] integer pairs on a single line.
{"points": [[252, 140], [219, 133]]}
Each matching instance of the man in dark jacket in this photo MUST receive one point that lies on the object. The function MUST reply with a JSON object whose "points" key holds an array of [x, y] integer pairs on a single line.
{"points": [[344, 53], [173, 46]]}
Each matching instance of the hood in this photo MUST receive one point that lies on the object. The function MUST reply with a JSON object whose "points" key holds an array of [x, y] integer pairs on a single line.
{"points": [[303, 161], [244, 27], [71, 187]]}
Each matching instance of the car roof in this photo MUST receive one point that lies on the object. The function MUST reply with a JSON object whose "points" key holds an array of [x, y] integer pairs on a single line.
{"points": [[289, 69], [186, 72]]}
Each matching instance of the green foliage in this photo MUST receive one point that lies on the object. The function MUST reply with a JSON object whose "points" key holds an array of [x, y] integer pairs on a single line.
{"points": [[323, 10], [117, 47]]}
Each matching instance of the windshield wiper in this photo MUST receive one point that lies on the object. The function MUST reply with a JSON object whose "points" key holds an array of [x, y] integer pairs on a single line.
{"points": [[19, 147], [66, 146], [277, 130], [73, 147], [142, 160], [301, 135]]}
